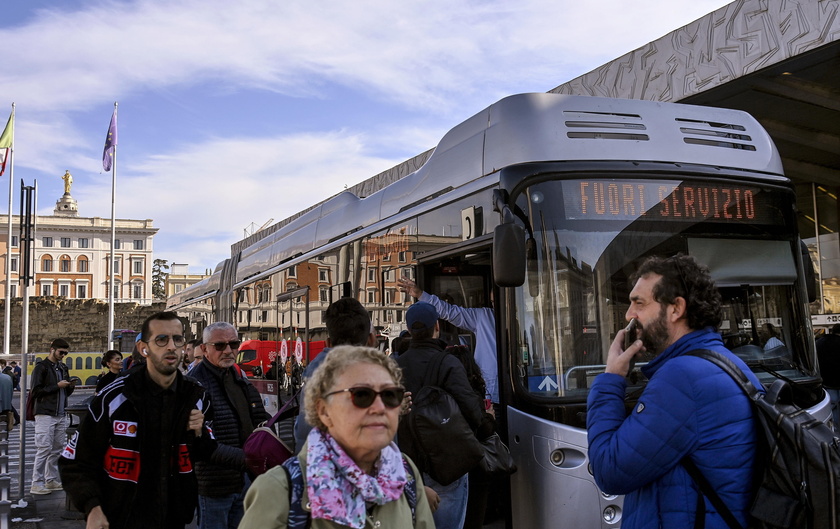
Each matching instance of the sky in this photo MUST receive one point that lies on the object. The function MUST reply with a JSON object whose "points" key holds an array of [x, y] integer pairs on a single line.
{"points": [[231, 114]]}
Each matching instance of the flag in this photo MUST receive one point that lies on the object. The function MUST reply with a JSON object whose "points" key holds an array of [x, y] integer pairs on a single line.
{"points": [[110, 143], [6, 142]]}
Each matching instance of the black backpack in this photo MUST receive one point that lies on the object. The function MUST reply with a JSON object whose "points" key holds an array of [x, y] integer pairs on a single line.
{"points": [[444, 445], [798, 481]]}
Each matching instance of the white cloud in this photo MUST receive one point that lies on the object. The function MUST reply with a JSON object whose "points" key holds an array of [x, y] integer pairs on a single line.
{"points": [[212, 191], [438, 61]]}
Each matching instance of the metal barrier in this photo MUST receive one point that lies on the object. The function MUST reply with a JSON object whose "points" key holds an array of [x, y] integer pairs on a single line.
{"points": [[5, 513], [5, 479]]}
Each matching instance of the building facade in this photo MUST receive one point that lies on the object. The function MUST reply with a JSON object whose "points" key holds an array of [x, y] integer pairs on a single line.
{"points": [[179, 278], [71, 256]]}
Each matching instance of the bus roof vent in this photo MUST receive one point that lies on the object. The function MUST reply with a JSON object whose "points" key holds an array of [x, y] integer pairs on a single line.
{"points": [[726, 135], [604, 126]]}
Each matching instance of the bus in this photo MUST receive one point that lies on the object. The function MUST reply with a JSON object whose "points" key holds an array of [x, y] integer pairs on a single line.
{"points": [[542, 206]]}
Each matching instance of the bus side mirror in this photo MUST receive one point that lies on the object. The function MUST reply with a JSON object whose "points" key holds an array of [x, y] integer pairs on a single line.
{"points": [[811, 281], [509, 255]]}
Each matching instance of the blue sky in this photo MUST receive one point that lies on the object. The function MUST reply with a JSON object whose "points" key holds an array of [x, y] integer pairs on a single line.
{"points": [[233, 113]]}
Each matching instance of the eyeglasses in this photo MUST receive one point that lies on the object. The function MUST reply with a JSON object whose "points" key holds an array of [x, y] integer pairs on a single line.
{"points": [[221, 346], [162, 340], [62, 353], [364, 397]]}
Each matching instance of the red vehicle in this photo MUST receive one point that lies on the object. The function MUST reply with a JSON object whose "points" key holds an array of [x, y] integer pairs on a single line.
{"points": [[256, 356]]}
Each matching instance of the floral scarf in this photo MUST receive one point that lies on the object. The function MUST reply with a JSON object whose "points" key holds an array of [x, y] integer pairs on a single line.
{"points": [[339, 489]]}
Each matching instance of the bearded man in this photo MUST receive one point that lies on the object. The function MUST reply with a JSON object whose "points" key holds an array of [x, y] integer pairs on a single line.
{"points": [[690, 408]]}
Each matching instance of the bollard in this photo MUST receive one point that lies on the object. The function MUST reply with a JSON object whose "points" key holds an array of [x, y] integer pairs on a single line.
{"points": [[5, 513], [5, 486]]}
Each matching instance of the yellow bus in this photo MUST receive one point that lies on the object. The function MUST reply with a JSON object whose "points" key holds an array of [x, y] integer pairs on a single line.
{"points": [[84, 367]]}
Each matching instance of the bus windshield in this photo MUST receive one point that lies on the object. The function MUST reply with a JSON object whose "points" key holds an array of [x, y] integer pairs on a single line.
{"points": [[590, 234]]}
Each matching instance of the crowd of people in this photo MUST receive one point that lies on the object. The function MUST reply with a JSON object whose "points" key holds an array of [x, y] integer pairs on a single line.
{"points": [[163, 442]]}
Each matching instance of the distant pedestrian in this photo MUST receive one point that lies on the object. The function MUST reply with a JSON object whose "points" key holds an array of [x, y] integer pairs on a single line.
{"points": [[17, 370], [112, 362], [6, 393], [51, 388]]}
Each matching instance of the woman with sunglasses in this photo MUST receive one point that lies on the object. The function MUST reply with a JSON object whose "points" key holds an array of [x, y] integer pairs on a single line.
{"points": [[351, 471]]}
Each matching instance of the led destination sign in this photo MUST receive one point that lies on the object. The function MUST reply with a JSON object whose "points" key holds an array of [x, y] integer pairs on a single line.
{"points": [[667, 201]]}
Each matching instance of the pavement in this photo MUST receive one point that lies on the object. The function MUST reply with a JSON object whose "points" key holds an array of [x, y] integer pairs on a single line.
{"points": [[48, 511]]}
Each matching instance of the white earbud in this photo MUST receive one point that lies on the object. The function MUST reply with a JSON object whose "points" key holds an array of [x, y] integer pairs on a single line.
{"points": [[145, 353]]}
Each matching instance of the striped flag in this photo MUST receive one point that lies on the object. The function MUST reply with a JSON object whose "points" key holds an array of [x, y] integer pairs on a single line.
{"points": [[6, 142], [110, 143]]}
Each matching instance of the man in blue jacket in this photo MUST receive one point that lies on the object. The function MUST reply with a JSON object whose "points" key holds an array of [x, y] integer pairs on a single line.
{"points": [[690, 408]]}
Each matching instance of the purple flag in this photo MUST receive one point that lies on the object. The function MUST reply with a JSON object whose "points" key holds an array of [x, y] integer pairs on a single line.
{"points": [[110, 143]]}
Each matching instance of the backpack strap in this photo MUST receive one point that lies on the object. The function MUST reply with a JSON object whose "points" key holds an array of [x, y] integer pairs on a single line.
{"points": [[299, 518], [432, 376], [696, 474], [286, 411], [707, 490], [410, 490]]}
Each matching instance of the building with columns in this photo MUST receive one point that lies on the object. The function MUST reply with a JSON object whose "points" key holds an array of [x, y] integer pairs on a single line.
{"points": [[71, 255]]}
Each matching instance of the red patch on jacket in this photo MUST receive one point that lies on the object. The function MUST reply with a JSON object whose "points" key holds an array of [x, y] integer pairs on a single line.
{"points": [[184, 462], [123, 465]]}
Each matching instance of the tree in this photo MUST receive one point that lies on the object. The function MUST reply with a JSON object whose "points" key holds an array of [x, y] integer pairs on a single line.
{"points": [[159, 276]]}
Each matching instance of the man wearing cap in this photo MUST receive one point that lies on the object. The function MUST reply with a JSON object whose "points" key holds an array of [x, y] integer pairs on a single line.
{"points": [[424, 347], [51, 387]]}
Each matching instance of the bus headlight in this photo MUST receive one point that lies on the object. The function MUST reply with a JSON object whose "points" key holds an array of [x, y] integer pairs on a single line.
{"points": [[612, 514]]}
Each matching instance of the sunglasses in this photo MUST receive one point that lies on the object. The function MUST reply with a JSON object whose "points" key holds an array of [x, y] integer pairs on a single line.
{"points": [[62, 353], [364, 397], [221, 346], [162, 340]]}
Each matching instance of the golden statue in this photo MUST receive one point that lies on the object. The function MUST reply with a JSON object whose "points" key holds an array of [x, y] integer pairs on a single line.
{"points": [[68, 182]]}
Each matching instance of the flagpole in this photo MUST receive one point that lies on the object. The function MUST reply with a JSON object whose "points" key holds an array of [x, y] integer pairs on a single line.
{"points": [[113, 237], [7, 316]]}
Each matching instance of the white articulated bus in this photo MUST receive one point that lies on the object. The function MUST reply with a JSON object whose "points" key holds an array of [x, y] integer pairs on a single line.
{"points": [[542, 206]]}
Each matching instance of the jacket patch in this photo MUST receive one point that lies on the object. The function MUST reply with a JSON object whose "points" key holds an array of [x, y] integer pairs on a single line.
{"points": [[640, 408], [122, 465], [184, 461], [69, 451], [125, 428]]}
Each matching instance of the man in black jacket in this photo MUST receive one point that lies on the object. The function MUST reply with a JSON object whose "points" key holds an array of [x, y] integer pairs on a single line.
{"points": [[130, 464], [237, 410], [51, 387], [422, 321]]}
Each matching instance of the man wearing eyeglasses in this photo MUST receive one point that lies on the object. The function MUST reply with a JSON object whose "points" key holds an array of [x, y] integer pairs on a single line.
{"points": [[130, 464], [51, 387], [237, 410]]}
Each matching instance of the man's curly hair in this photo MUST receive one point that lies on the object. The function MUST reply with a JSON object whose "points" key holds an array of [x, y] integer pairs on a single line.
{"points": [[684, 277]]}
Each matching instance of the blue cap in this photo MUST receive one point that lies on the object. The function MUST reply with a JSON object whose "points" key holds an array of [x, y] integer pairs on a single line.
{"points": [[137, 338], [421, 316]]}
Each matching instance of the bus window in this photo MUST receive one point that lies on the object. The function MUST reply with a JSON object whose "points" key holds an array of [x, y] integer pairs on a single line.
{"points": [[591, 234]]}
